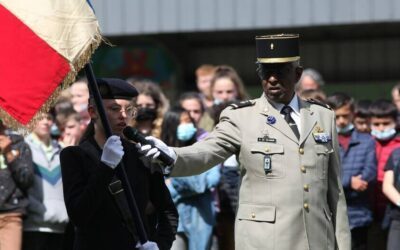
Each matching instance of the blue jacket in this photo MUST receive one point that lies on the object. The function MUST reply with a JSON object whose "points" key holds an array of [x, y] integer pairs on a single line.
{"points": [[359, 158], [195, 203]]}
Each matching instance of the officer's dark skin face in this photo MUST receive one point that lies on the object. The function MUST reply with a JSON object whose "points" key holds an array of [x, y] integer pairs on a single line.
{"points": [[280, 80]]}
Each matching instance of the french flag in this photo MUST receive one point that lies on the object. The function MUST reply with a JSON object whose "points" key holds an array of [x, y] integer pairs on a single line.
{"points": [[44, 43]]}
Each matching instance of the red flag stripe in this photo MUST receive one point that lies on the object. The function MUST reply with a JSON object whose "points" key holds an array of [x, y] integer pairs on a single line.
{"points": [[30, 70]]}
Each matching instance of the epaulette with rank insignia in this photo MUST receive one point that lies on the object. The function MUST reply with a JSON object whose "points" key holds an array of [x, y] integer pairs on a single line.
{"points": [[241, 104], [313, 101]]}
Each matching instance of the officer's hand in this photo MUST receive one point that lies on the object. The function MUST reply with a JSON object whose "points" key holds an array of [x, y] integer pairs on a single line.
{"points": [[149, 245], [154, 152], [112, 152]]}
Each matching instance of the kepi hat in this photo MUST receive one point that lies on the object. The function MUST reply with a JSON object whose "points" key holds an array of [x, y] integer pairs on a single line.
{"points": [[280, 48]]}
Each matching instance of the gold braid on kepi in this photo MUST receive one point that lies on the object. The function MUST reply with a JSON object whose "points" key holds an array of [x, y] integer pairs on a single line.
{"points": [[279, 48]]}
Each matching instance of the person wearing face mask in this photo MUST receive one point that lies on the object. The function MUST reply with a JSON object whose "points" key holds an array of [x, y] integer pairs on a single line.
{"points": [[383, 122], [151, 105], [357, 155], [192, 195]]}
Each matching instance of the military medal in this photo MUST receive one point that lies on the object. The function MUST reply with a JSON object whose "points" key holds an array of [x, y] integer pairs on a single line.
{"points": [[271, 120], [267, 164], [322, 137]]}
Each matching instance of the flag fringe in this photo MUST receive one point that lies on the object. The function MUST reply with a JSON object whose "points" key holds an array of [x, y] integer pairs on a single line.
{"points": [[76, 66]]}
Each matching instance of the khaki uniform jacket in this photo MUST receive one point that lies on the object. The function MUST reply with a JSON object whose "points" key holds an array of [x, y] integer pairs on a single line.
{"points": [[300, 203]]}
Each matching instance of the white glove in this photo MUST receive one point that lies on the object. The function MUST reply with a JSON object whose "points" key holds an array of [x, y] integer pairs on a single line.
{"points": [[149, 245], [112, 152], [154, 152]]}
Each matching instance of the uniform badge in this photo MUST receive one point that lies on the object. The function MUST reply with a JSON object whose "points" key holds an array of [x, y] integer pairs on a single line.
{"points": [[318, 129], [271, 119], [322, 137]]}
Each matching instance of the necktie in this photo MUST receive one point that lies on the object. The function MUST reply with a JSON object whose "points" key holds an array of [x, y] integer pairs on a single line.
{"points": [[286, 110]]}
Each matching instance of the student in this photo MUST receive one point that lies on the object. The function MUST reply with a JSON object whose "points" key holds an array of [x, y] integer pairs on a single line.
{"points": [[362, 116], [383, 122], [192, 195], [47, 217], [90, 169], [16, 176], [391, 188], [357, 154]]}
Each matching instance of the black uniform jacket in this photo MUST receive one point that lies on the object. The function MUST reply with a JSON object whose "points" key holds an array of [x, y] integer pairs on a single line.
{"points": [[92, 209]]}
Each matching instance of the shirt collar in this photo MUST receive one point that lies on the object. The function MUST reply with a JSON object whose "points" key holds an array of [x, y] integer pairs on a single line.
{"points": [[294, 104]]}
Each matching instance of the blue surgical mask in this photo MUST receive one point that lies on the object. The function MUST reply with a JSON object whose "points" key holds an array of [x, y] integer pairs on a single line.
{"points": [[346, 129], [383, 135], [186, 131]]}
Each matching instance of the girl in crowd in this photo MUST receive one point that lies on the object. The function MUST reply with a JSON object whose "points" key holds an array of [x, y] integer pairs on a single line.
{"points": [[192, 195], [151, 104], [226, 85]]}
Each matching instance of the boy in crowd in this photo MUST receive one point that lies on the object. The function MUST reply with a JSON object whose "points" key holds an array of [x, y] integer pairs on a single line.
{"points": [[357, 154], [383, 123], [47, 217], [362, 116]]}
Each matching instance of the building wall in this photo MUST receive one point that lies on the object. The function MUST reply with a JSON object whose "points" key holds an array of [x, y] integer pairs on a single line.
{"points": [[133, 17]]}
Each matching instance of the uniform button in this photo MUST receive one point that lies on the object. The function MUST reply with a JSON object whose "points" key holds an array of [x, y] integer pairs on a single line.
{"points": [[306, 187], [267, 149], [301, 151], [305, 205], [253, 215], [303, 169]]}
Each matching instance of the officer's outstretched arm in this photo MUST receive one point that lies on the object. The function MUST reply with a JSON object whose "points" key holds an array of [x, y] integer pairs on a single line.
{"points": [[221, 143]]}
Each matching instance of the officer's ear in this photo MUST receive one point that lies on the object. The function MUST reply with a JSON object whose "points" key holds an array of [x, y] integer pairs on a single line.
{"points": [[299, 72]]}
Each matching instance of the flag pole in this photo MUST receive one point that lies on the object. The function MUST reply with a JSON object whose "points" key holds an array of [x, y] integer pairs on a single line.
{"points": [[107, 129]]}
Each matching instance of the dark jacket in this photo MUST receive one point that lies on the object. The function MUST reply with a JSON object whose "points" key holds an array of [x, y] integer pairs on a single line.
{"points": [[358, 159], [16, 178], [92, 210]]}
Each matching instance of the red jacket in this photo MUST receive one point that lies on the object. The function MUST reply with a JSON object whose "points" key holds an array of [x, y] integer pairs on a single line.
{"points": [[383, 151]]}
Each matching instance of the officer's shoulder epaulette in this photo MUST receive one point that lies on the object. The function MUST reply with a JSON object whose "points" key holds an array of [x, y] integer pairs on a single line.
{"points": [[241, 104], [313, 101]]}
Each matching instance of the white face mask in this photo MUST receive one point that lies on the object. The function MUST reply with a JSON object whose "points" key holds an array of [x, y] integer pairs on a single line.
{"points": [[384, 135], [346, 129]]}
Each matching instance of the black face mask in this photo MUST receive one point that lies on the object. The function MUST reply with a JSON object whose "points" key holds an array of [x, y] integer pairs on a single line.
{"points": [[146, 114]]}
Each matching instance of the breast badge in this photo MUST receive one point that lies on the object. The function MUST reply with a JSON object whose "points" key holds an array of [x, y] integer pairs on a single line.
{"points": [[320, 136]]}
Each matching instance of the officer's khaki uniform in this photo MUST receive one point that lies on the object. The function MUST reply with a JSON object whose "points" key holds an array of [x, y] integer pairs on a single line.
{"points": [[300, 203]]}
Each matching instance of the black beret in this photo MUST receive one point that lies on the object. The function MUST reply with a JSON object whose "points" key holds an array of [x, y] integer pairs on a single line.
{"points": [[113, 88], [280, 48]]}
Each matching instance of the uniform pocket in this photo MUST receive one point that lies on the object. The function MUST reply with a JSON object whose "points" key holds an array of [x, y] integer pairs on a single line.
{"points": [[272, 150], [255, 225], [323, 152]]}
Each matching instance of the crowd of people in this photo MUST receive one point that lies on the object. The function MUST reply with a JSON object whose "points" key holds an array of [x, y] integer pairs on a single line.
{"points": [[33, 214]]}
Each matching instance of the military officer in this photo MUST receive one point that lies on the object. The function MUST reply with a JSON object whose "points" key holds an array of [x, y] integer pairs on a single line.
{"points": [[291, 196]]}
